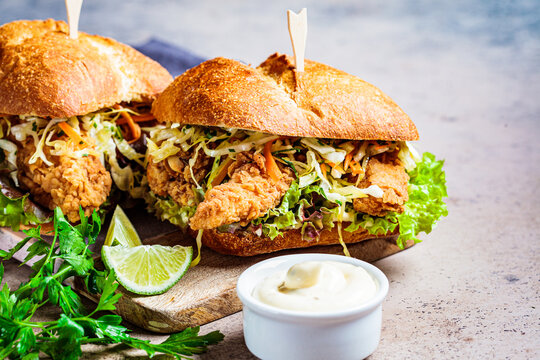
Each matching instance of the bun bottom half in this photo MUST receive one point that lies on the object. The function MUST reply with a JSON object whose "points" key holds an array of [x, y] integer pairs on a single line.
{"points": [[247, 244]]}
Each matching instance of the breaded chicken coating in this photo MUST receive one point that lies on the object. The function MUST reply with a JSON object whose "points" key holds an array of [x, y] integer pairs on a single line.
{"points": [[69, 182], [177, 183], [249, 194], [390, 176]]}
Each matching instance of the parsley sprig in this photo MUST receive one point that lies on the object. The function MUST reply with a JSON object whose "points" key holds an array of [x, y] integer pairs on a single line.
{"points": [[69, 256]]}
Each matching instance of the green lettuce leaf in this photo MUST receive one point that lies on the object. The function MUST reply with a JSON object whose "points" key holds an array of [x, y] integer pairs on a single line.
{"points": [[374, 225], [427, 188], [19, 210], [281, 217], [289, 214], [310, 210], [285, 221], [168, 209]]}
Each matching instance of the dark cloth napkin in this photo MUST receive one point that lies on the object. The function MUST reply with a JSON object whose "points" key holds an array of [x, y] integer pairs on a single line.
{"points": [[173, 58]]}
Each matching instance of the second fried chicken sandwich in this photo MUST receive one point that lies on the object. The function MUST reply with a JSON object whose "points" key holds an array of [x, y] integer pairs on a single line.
{"points": [[72, 117], [255, 160]]}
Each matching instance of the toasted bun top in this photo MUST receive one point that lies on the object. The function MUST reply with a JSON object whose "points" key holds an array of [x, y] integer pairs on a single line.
{"points": [[44, 72], [320, 102]]}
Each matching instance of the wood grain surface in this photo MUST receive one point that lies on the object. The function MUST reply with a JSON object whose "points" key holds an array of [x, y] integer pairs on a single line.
{"points": [[466, 72], [208, 291]]}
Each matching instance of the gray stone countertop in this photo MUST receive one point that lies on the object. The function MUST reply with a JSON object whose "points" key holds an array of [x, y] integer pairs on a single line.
{"points": [[467, 73]]}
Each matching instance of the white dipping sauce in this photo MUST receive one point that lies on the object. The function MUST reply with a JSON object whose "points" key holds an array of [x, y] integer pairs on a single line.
{"points": [[317, 286]]}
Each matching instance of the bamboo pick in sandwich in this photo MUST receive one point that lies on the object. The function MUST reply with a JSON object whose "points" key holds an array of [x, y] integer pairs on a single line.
{"points": [[73, 8], [298, 32]]}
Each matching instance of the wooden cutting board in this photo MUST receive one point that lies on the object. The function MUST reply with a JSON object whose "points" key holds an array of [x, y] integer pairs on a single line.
{"points": [[208, 291]]}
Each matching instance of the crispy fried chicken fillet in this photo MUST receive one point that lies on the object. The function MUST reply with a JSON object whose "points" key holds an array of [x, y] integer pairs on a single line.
{"points": [[69, 182], [172, 177], [320, 103], [249, 194], [388, 173]]}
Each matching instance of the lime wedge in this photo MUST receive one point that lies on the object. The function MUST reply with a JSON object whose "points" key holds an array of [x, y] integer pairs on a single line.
{"points": [[121, 231], [148, 269]]}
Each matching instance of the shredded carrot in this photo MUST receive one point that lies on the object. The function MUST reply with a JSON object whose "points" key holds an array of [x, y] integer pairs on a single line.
{"points": [[348, 159], [323, 170], [380, 146], [356, 168], [222, 173], [336, 167], [134, 127], [77, 139], [271, 166]]}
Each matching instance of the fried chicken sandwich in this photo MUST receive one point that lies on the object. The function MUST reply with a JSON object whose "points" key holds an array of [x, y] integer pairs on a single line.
{"points": [[255, 160], [72, 118]]}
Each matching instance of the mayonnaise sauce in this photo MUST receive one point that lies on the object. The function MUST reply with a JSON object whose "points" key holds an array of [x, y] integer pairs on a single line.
{"points": [[317, 286]]}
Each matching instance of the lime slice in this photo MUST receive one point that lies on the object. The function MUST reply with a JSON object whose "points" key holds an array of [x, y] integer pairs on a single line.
{"points": [[121, 231], [147, 269]]}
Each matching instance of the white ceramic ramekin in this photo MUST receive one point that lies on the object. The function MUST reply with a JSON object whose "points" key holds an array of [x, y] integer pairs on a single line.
{"points": [[271, 333]]}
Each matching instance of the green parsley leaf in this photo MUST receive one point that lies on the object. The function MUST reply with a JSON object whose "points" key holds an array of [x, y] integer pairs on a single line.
{"points": [[27, 340], [21, 338]]}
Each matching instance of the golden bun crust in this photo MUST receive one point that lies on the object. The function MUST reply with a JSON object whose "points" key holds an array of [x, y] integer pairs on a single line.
{"points": [[320, 102], [246, 244], [43, 72]]}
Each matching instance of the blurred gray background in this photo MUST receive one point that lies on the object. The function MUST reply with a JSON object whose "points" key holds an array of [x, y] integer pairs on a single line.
{"points": [[467, 73], [489, 48]]}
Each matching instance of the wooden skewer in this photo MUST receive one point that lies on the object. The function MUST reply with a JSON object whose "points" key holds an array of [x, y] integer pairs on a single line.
{"points": [[298, 33], [73, 8]]}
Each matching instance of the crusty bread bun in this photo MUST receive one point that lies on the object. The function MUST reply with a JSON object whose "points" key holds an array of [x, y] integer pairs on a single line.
{"points": [[247, 244], [46, 73], [320, 102]]}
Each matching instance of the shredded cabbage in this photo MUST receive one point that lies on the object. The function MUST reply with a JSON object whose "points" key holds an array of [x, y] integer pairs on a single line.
{"points": [[107, 137], [330, 153], [319, 197], [250, 143], [160, 153], [8, 125], [308, 179], [198, 240], [424, 208], [191, 163], [129, 152], [352, 192], [217, 166], [39, 146], [10, 162], [313, 165], [27, 128], [408, 155]]}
